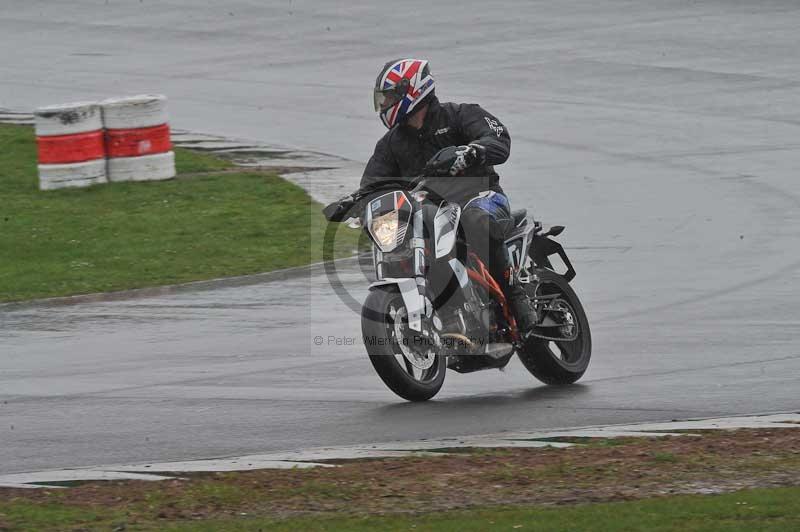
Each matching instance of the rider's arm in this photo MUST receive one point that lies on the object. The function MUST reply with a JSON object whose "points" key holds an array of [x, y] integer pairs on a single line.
{"points": [[483, 128], [382, 164]]}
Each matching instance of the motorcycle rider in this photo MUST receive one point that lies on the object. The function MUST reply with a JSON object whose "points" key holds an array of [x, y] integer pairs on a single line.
{"points": [[419, 127]]}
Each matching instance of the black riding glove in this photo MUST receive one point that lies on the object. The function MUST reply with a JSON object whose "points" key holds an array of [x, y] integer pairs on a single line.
{"points": [[467, 156], [336, 211]]}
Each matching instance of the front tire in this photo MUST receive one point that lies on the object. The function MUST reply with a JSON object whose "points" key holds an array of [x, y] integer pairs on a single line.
{"points": [[558, 362], [381, 317]]}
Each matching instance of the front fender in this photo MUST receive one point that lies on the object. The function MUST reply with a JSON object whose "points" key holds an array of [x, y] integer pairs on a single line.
{"points": [[412, 299], [542, 247]]}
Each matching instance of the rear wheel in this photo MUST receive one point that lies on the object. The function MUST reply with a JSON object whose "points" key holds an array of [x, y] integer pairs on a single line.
{"points": [[412, 371], [559, 361]]}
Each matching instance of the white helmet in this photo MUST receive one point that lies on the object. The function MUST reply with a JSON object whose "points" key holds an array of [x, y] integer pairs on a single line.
{"points": [[402, 85]]}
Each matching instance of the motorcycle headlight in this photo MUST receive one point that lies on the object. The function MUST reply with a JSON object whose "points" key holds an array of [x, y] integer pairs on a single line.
{"points": [[384, 230]]}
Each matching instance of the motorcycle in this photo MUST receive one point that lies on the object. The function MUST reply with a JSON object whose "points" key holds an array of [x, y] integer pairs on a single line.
{"points": [[435, 306]]}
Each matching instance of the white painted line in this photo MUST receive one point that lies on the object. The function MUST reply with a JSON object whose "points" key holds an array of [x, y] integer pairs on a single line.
{"points": [[12, 485], [742, 422], [243, 463], [488, 441]]}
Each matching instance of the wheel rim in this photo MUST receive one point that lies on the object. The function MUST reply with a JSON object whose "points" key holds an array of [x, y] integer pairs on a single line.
{"points": [[422, 367]]}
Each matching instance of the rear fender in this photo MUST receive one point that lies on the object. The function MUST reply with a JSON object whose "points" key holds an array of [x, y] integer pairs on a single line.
{"points": [[542, 248]]}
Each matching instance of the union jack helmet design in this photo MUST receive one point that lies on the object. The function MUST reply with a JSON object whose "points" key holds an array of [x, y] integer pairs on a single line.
{"points": [[400, 88]]}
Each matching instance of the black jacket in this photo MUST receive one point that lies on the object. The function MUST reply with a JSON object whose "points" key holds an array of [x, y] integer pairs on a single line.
{"points": [[403, 151]]}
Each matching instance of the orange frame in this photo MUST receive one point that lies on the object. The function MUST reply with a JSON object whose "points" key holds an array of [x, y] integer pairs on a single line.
{"points": [[485, 279]]}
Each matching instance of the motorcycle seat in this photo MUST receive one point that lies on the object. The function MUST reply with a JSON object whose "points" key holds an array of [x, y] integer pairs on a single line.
{"points": [[519, 216]]}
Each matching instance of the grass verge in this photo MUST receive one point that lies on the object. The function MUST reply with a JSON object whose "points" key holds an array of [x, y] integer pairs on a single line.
{"points": [[775, 509], [638, 484], [130, 235]]}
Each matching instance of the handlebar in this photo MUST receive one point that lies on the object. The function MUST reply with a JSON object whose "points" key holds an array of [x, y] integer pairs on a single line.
{"points": [[337, 211], [384, 184]]}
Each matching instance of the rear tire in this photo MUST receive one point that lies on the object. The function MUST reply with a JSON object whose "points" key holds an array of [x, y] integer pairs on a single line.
{"points": [[558, 362], [377, 329]]}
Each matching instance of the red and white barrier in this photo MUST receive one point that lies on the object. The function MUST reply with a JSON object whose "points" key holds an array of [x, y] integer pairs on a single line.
{"points": [[71, 145], [138, 138]]}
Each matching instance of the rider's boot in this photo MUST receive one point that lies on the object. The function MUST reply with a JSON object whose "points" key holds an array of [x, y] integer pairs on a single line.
{"points": [[516, 297], [521, 307]]}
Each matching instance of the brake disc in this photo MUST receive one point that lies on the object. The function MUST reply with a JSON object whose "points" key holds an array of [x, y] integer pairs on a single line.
{"points": [[419, 359], [568, 329]]}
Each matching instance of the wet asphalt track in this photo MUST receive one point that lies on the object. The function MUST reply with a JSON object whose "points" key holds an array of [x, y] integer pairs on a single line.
{"points": [[665, 135]]}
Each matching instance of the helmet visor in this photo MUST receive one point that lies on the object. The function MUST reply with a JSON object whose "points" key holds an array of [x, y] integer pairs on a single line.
{"points": [[385, 98]]}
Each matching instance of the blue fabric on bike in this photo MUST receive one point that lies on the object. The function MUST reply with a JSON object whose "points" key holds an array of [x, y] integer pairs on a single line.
{"points": [[494, 203]]}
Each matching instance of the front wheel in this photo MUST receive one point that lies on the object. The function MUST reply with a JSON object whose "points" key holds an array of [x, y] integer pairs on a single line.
{"points": [[558, 361], [414, 373]]}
